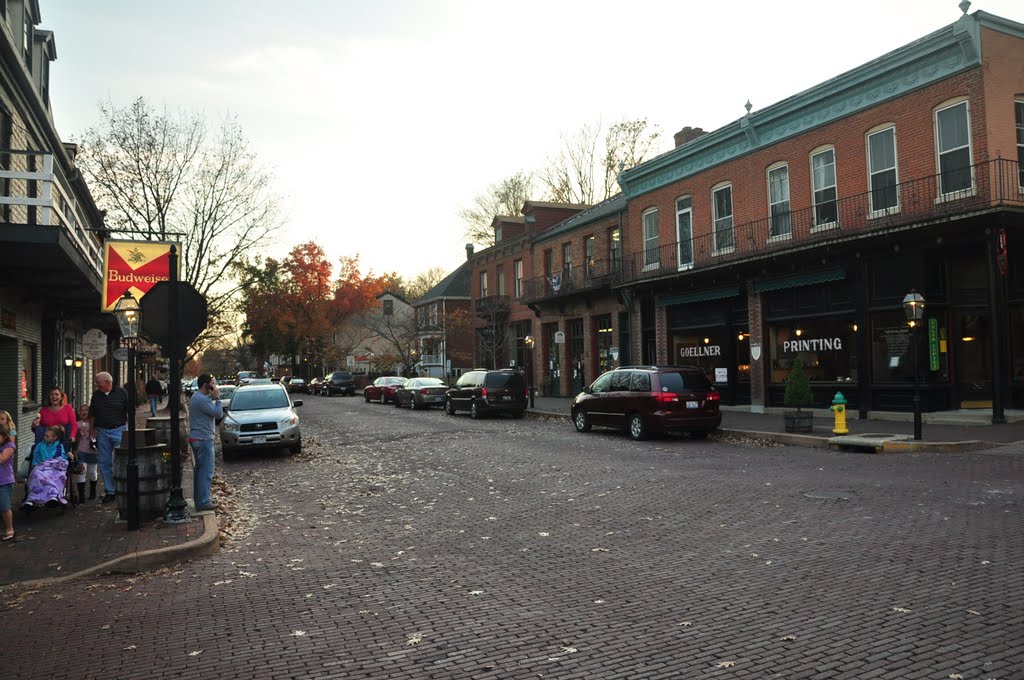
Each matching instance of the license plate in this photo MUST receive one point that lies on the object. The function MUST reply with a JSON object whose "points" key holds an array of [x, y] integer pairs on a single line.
{"points": [[259, 439], [507, 397], [691, 404]]}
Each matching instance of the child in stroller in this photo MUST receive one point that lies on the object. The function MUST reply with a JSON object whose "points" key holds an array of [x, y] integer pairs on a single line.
{"points": [[47, 482]]}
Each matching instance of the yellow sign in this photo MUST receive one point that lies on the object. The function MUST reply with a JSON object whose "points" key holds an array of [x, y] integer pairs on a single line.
{"points": [[134, 266]]}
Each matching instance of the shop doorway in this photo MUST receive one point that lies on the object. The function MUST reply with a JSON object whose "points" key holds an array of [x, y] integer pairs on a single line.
{"points": [[972, 339]]}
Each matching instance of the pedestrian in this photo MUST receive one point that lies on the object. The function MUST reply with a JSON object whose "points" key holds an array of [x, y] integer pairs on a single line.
{"points": [[7, 421], [48, 476], [204, 409], [8, 452], [86, 456], [58, 412], [154, 390], [108, 418]]}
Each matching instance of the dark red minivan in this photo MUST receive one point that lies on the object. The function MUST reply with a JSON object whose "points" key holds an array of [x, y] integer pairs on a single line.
{"points": [[649, 399]]}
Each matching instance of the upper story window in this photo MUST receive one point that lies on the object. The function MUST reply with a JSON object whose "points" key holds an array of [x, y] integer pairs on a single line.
{"points": [[882, 170], [27, 35], [501, 280], [953, 146], [566, 257], [517, 273], [497, 234], [721, 200], [614, 246], [778, 202], [549, 262], [388, 307], [432, 314], [589, 246], [1019, 111], [483, 284], [823, 180], [684, 231], [652, 239]]}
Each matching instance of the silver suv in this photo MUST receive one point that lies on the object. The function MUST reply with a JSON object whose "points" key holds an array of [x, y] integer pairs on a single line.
{"points": [[261, 417]]}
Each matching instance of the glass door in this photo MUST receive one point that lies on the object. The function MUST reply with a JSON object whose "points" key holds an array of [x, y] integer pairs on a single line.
{"points": [[684, 233], [973, 357]]}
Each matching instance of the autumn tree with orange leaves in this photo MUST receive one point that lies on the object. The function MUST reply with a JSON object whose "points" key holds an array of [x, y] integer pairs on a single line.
{"points": [[294, 307]]}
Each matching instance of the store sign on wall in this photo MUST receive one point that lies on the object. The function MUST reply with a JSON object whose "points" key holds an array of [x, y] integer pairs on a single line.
{"points": [[134, 266], [812, 344], [701, 351], [933, 344]]}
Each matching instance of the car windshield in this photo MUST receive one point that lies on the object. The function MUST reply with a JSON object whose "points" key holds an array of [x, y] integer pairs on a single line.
{"points": [[679, 382], [253, 400]]}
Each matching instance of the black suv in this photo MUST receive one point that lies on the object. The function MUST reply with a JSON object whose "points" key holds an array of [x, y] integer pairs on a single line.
{"points": [[481, 392], [646, 399], [341, 382]]}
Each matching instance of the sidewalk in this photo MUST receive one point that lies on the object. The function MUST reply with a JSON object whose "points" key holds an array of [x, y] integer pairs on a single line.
{"points": [[89, 539], [958, 427]]}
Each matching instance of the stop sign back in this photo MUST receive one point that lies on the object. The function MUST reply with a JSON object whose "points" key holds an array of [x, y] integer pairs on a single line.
{"points": [[156, 314]]}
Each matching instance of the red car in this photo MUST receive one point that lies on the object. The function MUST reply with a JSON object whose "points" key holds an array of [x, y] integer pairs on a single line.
{"points": [[383, 389]]}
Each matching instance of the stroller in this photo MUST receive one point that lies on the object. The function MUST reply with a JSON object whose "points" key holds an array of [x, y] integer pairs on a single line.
{"points": [[48, 482]]}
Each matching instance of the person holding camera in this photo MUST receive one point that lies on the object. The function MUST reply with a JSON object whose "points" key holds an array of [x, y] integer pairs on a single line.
{"points": [[204, 410]]}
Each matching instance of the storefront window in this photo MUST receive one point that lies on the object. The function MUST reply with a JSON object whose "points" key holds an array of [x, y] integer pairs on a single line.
{"points": [[892, 353], [28, 372], [705, 348], [827, 348], [603, 339]]}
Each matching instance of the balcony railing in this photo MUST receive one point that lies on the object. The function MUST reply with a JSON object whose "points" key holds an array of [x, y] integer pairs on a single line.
{"points": [[430, 359], [589, 276], [990, 184], [492, 305], [54, 203]]}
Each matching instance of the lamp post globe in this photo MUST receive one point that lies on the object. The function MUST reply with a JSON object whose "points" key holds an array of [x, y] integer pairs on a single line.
{"points": [[913, 308]]}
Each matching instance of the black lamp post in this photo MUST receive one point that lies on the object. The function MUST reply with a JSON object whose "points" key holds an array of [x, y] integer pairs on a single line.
{"points": [[128, 318], [528, 343], [913, 307]]}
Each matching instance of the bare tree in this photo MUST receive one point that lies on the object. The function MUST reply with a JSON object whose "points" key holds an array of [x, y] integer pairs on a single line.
{"points": [[504, 198], [163, 176], [627, 144], [395, 332], [423, 282], [493, 336]]}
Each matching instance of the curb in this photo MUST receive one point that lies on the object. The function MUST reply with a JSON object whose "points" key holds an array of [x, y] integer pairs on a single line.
{"points": [[137, 562], [911, 446]]}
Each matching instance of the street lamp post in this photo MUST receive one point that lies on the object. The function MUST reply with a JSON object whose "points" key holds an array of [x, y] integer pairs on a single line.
{"points": [[528, 343], [913, 308], [128, 318]]}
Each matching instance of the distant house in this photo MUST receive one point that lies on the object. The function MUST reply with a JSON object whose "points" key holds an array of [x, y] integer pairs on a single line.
{"points": [[381, 340], [444, 322]]}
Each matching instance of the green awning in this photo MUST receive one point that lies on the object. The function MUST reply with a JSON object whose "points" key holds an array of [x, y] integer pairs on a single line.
{"points": [[697, 296], [800, 280]]}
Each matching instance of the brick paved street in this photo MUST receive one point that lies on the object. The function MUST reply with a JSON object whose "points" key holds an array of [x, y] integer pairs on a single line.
{"points": [[415, 545]]}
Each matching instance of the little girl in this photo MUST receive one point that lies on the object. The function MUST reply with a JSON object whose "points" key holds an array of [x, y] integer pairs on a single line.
{"points": [[8, 452], [7, 421], [45, 482], [86, 454]]}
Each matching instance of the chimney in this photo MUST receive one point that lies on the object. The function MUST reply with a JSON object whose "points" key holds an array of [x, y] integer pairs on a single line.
{"points": [[469, 250], [688, 134]]}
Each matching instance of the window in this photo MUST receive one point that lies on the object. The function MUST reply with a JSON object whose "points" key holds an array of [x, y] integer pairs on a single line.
{"points": [[28, 372], [549, 263], [517, 272], [566, 258], [27, 35], [823, 176], [614, 247], [501, 280], [882, 170], [722, 202], [684, 231], [483, 284], [589, 245], [497, 234], [953, 143], [652, 252], [388, 306], [640, 382], [1019, 111], [778, 202]]}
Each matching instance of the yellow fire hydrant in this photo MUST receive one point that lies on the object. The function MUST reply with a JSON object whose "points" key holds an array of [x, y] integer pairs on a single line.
{"points": [[839, 408]]}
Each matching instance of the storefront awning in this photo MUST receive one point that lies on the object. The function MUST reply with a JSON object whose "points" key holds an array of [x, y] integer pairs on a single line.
{"points": [[800, 280], [698, 296]]}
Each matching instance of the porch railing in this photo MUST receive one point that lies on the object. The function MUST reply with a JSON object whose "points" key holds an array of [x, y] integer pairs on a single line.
{"points": [[54, 203], [430, 359], [581, 278], [989, 185], [492, 305]]}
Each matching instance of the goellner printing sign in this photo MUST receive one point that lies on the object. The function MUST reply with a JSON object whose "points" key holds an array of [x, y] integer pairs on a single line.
{"points": [[701, 351], [133, 266]]}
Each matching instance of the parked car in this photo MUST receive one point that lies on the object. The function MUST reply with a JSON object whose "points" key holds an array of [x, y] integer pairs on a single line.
{"points": [[481, 392], [342, 383], [313, 386], [261, 417], [296, 385], [190, 387], [649, 399], [260, 381], [225, 394], [419, 393], [244, 377], [383, 389]]}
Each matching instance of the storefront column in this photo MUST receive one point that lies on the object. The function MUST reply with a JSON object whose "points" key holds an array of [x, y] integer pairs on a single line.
{"points": [[661, 323], [997, 303], [862, 337], [757, 353]]}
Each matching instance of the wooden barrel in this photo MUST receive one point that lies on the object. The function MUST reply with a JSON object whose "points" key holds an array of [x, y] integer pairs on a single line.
{"points": [[162, 425], [154, 481]]}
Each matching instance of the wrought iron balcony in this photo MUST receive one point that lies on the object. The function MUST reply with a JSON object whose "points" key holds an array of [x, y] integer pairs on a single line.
{"points": [[586, 277], [430, 359], [919, 201], [492, 306]]}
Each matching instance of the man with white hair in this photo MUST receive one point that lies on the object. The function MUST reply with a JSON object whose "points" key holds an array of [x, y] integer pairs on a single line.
{"points": [[109, 411]]}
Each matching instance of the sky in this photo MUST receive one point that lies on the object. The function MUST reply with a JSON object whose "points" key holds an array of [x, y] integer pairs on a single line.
{"points": [[381, 120]]}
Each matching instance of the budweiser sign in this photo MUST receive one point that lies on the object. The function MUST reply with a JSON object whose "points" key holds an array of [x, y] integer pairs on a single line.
{"points": [[133, 266]]}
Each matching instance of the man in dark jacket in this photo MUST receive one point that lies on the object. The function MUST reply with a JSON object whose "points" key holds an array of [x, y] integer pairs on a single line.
{"points": [[154, 390], [108, 419]]}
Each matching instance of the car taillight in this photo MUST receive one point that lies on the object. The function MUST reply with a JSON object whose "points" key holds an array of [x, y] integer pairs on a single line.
{"points": [[714, 396], [483, 392], [423, 391], [665, 397]]}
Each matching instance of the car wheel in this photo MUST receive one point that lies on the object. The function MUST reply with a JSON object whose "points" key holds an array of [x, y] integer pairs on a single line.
{"points": [[366, 397], [296, 447], [449, 407], [637, 430], [396, 402], [474, 410], [412, 403], [581, 421]]}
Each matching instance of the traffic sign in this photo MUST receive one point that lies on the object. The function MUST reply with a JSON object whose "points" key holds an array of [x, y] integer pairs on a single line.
{"points": [[156, 314]]}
